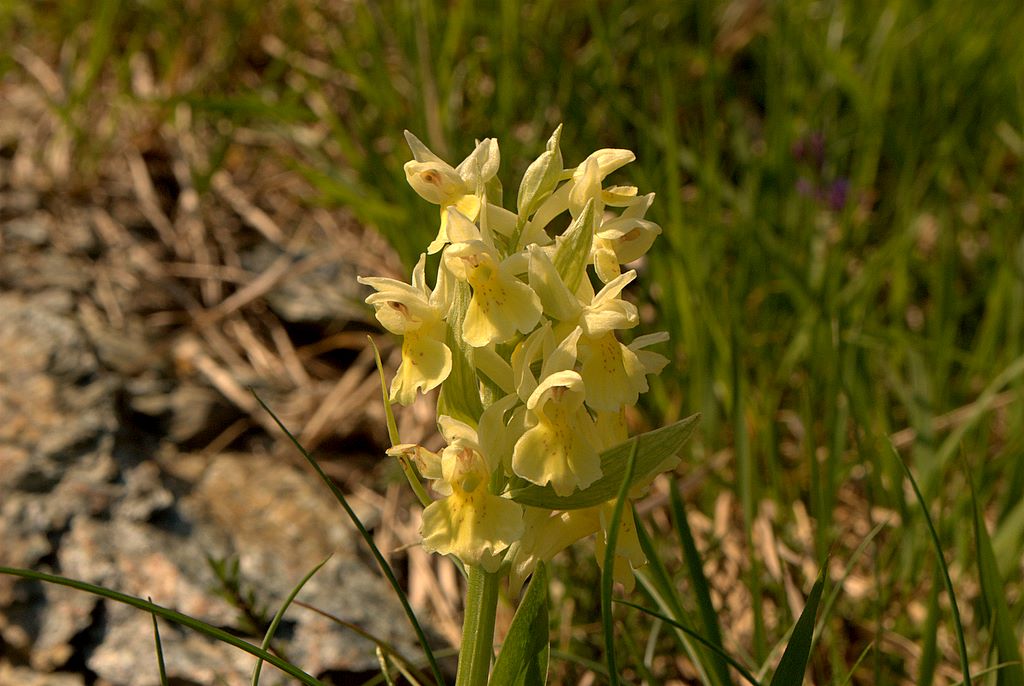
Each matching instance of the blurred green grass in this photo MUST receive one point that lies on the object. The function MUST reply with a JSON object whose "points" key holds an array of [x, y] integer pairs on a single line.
{"points": [[840, 186]]}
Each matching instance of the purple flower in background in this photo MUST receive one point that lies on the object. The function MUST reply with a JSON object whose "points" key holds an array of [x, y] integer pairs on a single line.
{"points": [[837, 194], [809, 152]]}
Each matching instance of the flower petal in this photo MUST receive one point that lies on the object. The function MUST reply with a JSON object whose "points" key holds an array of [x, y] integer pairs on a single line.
{"points": [[545, 535], [559, 446], [427, 462], [501, 304], [628, 553], [475, 527], [426, 363], [398, 306], [436, 182], [612, 373]]}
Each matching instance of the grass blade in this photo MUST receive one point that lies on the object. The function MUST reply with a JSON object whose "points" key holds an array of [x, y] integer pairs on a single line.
{"points": [[992, 590], [989, 670], [592, 665], [856, 663], [385, 671], [695, 569], [743, 671], [404, 664], [258, 667], [659, 586], [159, 650], [607, 571], [830, 599], [168, 614], [929, 649], [794, 661], [381, 562], [957, 624]]}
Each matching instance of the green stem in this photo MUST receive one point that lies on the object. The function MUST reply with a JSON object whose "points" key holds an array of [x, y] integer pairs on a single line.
{"points": [[478, 628]]}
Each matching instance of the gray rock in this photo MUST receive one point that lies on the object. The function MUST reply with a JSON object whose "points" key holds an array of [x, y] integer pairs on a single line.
{"points": [[82, 496], [326, 293]]}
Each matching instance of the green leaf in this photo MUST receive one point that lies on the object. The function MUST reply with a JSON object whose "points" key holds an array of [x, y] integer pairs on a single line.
{"points": [[992, 590], [654, 447], [168, 614], [523, 659], [958, 626], [460, 392], [572, 248], [794, 661], [541, 177]]}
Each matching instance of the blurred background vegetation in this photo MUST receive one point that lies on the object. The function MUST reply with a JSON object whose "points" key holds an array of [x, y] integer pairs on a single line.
{"points": [[841, 190]]}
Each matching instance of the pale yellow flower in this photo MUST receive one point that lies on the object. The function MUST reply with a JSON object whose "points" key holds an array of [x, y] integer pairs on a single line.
{"points": [[558, 446], [469, 522], [415, 313], [612, 373], [438, 182], [501, 305], [611, 428], [533, 348], [427, 462], [545, 534], [628, 553], [555, 355], [624, 239], [548, 533], [586, 186], [607, 311], [558, 301], [652, 362], [591, 171]]}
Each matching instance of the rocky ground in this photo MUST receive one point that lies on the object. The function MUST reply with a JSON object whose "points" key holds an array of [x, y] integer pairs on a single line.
{"points": [[136, 310]]}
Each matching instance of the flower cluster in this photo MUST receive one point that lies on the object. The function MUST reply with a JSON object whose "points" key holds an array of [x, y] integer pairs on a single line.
{"points": [[522, 338]]}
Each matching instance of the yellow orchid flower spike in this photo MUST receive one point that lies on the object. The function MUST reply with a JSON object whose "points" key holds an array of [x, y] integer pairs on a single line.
{"points": [[524, 343]]}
